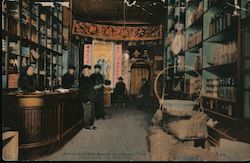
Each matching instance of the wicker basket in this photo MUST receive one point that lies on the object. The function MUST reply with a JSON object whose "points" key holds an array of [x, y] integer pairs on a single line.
{"points": [[176, 107]]}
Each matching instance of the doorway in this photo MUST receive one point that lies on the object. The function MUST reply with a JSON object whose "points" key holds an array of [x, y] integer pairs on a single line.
{"points": [[139, 70]]}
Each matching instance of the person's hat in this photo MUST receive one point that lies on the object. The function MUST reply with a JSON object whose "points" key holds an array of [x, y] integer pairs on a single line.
{"points": [[71, 67], [97, 66], [86, 66], [120, 78]]}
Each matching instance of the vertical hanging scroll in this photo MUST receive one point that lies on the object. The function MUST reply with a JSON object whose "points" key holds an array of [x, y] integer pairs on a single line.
{"points": [[87, 54], [117, 62]]}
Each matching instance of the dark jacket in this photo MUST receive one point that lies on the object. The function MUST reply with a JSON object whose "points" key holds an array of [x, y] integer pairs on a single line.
{"points": [[26, 83], [87, 91], [98, 79], [145, 90], [68, 81], [120, 88]]}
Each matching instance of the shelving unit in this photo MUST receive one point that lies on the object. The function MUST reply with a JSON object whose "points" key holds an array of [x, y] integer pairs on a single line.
{"points": [[212, 43], [175, 76], [31, 34]]}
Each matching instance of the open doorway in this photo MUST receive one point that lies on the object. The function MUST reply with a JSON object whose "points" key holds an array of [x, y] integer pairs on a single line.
{"points": [[139, 70]]}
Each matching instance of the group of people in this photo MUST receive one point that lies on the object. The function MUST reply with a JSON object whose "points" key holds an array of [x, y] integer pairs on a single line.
{"points": [[91, 89], [91, 93]]}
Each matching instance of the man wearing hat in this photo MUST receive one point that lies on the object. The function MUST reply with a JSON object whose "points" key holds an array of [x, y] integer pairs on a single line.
{"points": [[98, 86], [68, 78], [144, 96], [120, 91], [88, 97]]}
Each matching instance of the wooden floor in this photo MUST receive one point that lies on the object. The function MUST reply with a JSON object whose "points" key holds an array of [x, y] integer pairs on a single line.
{"points": [[120, 137]]}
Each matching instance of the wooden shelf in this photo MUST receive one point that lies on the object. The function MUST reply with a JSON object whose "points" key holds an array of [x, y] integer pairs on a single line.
{"points": [[220, 99], [222, 115], [222, 133], [18, 18], [230, 68], [195, 48], [191, 72], [197, 23], [213, 140], [229, 118], [216, 6], [225, 35]]}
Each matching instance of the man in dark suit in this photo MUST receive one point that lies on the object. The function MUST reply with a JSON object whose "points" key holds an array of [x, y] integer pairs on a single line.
{"points": [[88, 97], [68, 78], [98, 86], [143, 100], [120, 91]]}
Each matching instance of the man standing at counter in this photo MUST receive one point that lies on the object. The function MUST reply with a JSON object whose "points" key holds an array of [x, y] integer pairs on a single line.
{"points": [[26, 80], [68, 79], [88, 97], [98, 82]]}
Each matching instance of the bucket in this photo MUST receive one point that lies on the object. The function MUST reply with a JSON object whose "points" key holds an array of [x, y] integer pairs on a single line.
{"points": [[179, 107]]}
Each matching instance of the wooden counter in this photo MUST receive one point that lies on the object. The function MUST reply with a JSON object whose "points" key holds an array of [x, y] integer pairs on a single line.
{"points": [[41, 119]]}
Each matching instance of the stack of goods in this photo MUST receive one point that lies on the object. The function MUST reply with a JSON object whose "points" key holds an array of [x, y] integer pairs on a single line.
{"points": [[13, 80], [164, 147], [33, 22], [160, 145], [195, 14], [4, 47], [194, 39], [212, 87], [26, 32], [181, 63], [227, 88], [13, 11], [49, 32], [195, 127], [197, 65], [200, 9], [34, 10], [25, 51], [225, 53], [14, 28], [25, 16], [13, 47], [219, 22], [25, 3], [43, 17], [34, 37], [193, 85]]}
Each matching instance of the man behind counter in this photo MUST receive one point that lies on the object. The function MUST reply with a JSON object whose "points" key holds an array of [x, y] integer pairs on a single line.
{"points": [[68, 79], [26, 80]]}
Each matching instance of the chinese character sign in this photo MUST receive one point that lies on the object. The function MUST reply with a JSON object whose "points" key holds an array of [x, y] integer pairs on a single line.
{"points": [[87, 54], [117, 62]]}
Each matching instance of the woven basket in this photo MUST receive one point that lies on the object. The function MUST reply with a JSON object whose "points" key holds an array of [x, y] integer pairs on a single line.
{"points": [[176, 107]]}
